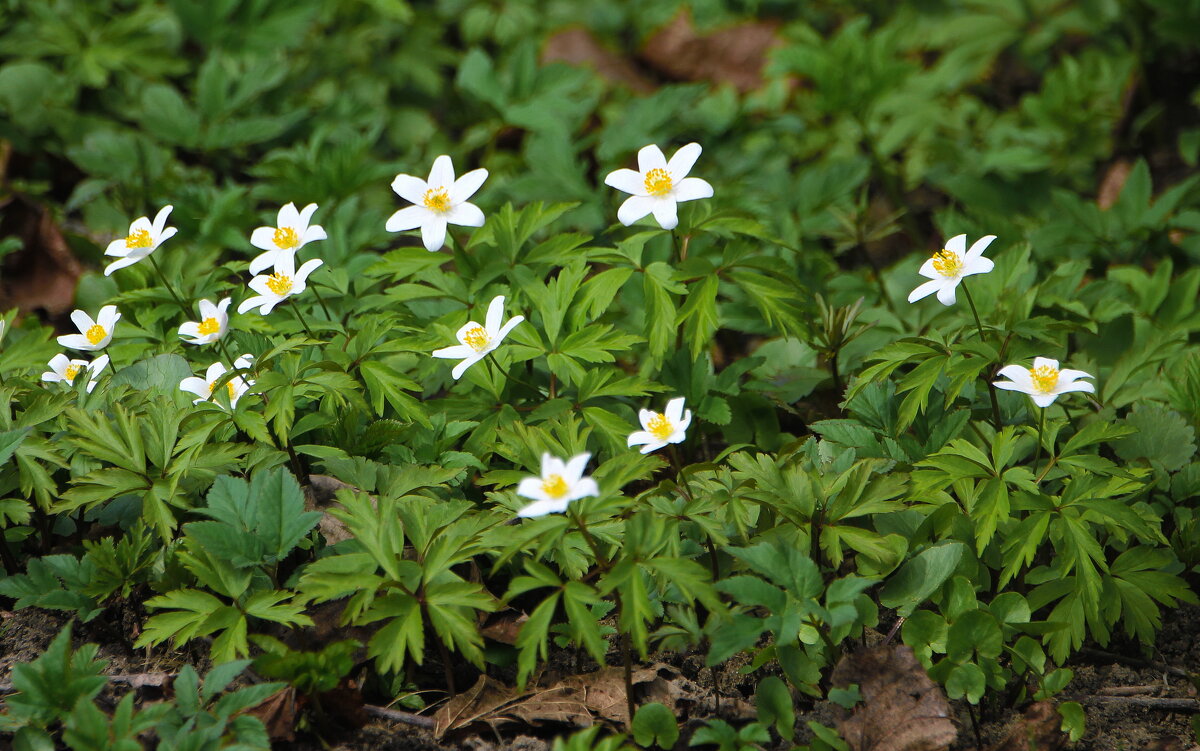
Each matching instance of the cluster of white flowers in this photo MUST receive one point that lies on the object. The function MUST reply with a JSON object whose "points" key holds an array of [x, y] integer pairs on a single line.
{"points": [[947, 269]]}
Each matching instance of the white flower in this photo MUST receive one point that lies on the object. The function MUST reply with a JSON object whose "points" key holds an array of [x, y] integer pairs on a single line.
{"points": [[213, 323], [441, 200], [285, 282], [660, 429], [948, 266], [203, 387], [1044, 381], [658, 185], [64, 369], [477, 341], [292, 234], [95, 334], [561, 482], [3, 324], [142, 240]]}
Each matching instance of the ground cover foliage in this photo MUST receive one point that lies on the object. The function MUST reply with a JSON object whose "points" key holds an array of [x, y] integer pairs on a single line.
{"points": [[344, 511]]}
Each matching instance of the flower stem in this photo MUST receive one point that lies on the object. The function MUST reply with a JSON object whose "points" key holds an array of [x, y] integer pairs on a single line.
{"points": [[300, 318], [1037, 456], [225, 352], [996, 421], [321, 301], [162, 277], [511, 377]]}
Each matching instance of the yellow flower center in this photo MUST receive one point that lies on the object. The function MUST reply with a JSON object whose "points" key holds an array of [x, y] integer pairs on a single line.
{"points": [[660, 427], [947, 263], [477, 338], [95, 334], [280, 284], [1045, 378], [658, 182], [139, 239], [437, 199], [209, 326], [72, 371], [286, 238], [555, 486]]}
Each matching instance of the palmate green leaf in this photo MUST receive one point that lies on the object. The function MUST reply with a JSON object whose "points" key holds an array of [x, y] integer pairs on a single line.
{"points": [[54, 582], [921, 576], [385, 384], [659, 312], [401, 637], [533, 640], [9, 441], [191, 613], [48, 688], [698, 315]]}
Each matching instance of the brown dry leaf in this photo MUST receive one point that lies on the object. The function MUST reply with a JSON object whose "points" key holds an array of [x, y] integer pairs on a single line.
{"points": [[734, 55], [902, 709], [503, 626], [686, 698], [1037, 730], [1113, 182], [43, 273], [320, 495], [578, 46], [278, 712]]}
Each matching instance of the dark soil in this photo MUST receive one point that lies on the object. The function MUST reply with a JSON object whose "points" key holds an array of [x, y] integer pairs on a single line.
{"points": [[1111, 726]]}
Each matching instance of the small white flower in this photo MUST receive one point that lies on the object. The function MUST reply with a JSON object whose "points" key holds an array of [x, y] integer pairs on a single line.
{"points": [[95, 334], [561, 482], [440, 200], [3, 325], [64, 369], [142, 240], [203, 387], [1044, 381], [213, 323], [658, 185], [948, 266], [285, 282], [292, 234], [477, 341], [659, 429]]}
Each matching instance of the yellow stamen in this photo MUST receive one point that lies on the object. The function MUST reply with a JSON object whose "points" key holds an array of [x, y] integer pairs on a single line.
{"points": [[1045, 378], [280, 284], [658, 182], [232, 391], [477, 338], [286, 238], [947, 263], [209, 326], [72, 371], [139, 239], [437, 199], [660, 427], [95, 334], [555, 486]]}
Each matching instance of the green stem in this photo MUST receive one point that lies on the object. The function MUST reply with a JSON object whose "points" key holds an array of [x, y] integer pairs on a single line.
{"points": [[300, 318], [996, 421], [601, 560], [162, 277], [511, 377], [1037, 456], [321, 301], [225, 352]]}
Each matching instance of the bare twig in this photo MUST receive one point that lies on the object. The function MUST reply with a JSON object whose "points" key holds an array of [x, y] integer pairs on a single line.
{"points": [[1149, 702], [395, 715], [1113, 657]]}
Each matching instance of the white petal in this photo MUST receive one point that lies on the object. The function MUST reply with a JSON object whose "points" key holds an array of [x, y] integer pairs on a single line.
{"points": [[651, 157], [1019, 375], [285, 262], [531, 487], [407, 218], [928, 271], [638, 437], [645, 416], [674, 410], [263, 238], [462, 366], [455, 352], [191, 328], [682, 161], [1066, 388], [167, 234], [945, 294], [507, 327], [259, 285], [305, 269], [1043, 400], [305, 218], [410, 188], [1045, 362], [264, 261], [692, 188], [223, 306], [925, 290], [666, 213], [465, 215], [433, 233], [441, 175], [627, 180], [252, 302], [59, 363], [116, 248], [541, 508], [957, 244], [1068, 375], [140, 224], [575, 466], [192, 384], [77, 341], [99, 364], [495, 314], [552, 465], [215, 371], [977, 266], [584, 488], [160, 221], [683, 424], [117, 265], [466, 186], [979, 246], [52, 377], [653, 445], [634, 208], [313, 234], [82, 320]]}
